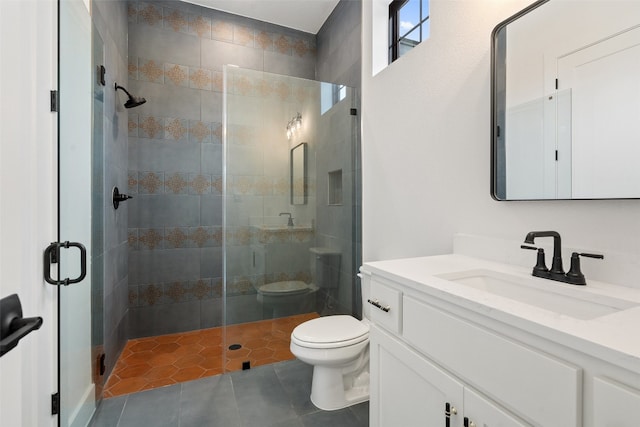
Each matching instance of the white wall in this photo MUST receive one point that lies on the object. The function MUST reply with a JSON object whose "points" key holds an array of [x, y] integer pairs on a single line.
{"points": [[426, 152], [27, 191]]}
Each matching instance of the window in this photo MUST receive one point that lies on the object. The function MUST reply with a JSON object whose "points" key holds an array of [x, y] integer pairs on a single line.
{"points": [[408, 26]]}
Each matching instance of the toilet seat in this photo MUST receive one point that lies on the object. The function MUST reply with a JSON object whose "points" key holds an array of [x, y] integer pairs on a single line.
{"points": [[287, 287], [330, 332]]}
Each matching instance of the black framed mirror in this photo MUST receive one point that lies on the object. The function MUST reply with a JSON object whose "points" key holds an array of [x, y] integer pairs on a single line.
{"points": [[566, 102], [299, 174]]}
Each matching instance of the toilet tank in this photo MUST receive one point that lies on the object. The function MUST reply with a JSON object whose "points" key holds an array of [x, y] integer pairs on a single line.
{"points": [[325, 267], [365, 291]]}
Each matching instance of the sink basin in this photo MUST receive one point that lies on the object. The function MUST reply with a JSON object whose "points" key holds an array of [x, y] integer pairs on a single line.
{"points": [[569, 300]]}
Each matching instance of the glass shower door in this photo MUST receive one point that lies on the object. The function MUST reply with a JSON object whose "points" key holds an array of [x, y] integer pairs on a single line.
{"points": [[76, 387], [289, 209]]}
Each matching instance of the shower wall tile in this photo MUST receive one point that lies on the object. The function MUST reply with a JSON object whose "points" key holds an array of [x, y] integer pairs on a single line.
{"points": [[168, 265], [164, 210], [221, 30], [216, 53], [211, 210], [176, 20], [132, 240], [133, 68], [296, 66], [132, 125], [150, 70], [149, 14], [176, 237], [199, 26], [166, 100], [199, 131], [200, 184], [132, 12], [211, 262], [175, 74], [200, 78], [211, 103], [150, 127], [150, 238], [164, 319], [150, 182], [170, 46], [211, 313], [243, 36], [176, 129], [176, 183], [168, 156]]}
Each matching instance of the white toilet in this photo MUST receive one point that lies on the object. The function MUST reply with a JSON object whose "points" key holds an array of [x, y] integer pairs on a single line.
{"points": [[338, 349]]}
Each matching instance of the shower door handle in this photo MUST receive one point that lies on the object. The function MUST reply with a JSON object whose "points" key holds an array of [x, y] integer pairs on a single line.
{"points": [[52, 256]]}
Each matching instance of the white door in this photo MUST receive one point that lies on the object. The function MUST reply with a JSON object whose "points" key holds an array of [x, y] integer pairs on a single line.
{"points": [[605, 116]]}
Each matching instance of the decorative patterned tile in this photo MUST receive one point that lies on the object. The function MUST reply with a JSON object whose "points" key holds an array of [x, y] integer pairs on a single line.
{"points": [[150, 182], [132, 182], [132, 125], [176, 129], [282, 44], [216, 285], [221, 30], [201, 289], [200, 184], [243, 36], [243, 185], [281, 186], [133, 296], [150, 127], [199, 78], [176, 237], [176, 20], [199, 236], [217, 81], [263, 186], [132, 13], [264, 40], [149, 14], [216, 133], [243, 86], [282, 90], [216, 184], [150, 71], [177, 183], [199, 131], [200, 26], [264, 88], [150, 238], [176, 74], [132, 238], [300, 47], [176, 291], [149, 294], [133, 68]]}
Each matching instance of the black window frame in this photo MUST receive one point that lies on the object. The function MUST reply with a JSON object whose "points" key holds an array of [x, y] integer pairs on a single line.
{"points": [[394, 27]]}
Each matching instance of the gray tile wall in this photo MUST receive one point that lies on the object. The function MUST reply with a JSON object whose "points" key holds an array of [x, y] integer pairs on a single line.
{"points": [[339, 62], [176, 56], [110, 226]]}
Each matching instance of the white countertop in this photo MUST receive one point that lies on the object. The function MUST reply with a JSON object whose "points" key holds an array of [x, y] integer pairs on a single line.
{"points": [[614, 337]]}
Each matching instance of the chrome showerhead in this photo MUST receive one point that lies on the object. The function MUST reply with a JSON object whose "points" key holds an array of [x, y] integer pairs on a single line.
{"points": [[133, 101]]}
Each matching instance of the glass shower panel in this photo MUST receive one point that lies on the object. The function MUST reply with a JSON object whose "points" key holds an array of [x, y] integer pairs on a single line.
{"points": [[286, 258]]}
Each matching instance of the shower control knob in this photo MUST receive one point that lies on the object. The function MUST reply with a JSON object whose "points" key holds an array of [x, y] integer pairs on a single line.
{"points": [[119, 197]]}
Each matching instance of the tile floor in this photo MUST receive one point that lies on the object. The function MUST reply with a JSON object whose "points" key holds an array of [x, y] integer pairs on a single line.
{"points": [[148, 363], [275, 395]]}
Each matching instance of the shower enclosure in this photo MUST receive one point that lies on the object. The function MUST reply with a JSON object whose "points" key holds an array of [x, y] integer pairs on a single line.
{"points": [[290, 188], [210, 238]]}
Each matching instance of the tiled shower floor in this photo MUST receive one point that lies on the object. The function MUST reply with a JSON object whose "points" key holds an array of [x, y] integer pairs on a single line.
{"points": [[147, 363]]}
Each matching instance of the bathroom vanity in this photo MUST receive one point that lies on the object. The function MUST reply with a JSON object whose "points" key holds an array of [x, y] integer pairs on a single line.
{"points": [[460, 341]]}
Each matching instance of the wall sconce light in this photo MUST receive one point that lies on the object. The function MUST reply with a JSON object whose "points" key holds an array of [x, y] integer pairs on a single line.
{"points": [[294, 125]]}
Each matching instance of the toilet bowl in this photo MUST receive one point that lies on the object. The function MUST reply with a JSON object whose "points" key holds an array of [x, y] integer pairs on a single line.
{"points": [[286, 298], [338, 349]]}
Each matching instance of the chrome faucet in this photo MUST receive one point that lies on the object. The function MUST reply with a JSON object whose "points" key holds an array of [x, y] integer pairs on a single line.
{"points": [[574, 276], [290, 222]]}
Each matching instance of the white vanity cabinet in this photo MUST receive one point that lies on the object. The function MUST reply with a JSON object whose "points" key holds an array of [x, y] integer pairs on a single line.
{"points": [[615, 404], [423, 394]]}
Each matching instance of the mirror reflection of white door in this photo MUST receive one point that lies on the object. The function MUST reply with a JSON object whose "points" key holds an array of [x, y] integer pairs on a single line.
{"points": [[605, 116]]}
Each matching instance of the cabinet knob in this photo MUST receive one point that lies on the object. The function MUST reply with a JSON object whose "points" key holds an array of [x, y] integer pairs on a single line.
{"points": [[454, 411]]}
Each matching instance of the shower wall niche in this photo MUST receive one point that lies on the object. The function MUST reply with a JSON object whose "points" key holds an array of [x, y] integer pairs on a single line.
{"points": [[176, 56]]}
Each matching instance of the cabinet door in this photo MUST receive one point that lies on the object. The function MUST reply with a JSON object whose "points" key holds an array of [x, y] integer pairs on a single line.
{"points": [[407, 390], [482, 413], [615, 405]]}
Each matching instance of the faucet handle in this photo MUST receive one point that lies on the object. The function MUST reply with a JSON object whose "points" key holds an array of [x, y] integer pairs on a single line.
{"points": [[575, 275], [541, 265]]}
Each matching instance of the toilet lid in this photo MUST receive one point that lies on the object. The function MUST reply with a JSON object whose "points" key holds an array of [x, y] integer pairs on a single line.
{"points": [[285, 287], [331, 329]]}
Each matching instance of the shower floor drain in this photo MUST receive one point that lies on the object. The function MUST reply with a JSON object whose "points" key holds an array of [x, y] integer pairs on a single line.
{"points": [[235, 347]]}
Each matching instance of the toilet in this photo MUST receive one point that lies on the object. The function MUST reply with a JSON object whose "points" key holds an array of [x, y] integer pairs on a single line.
{"points": [[338, 349], [290, 297]]}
